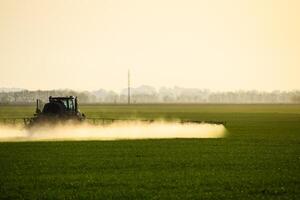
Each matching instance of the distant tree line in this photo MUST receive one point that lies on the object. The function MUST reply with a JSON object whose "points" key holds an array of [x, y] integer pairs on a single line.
{"points": [[148, 94], [26, 96]]}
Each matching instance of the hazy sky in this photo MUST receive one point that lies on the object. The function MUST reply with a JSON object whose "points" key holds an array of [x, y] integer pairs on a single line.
{"points": [[214, 44]]}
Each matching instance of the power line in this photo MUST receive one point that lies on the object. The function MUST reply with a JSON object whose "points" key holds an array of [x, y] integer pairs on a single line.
{"points": [[128, 86]]}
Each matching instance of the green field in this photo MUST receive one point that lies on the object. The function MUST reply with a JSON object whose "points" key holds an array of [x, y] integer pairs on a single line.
{"points": [[259, 158]]}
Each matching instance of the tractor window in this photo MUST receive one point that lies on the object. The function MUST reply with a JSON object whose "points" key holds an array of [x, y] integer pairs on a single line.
{"points": [[65, 103], [71, 104]]}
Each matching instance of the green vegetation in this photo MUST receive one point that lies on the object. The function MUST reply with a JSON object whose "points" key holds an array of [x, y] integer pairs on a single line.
{"points": [[259, 159]]}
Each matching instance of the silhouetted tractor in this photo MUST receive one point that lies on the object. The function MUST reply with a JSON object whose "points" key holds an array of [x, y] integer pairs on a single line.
{"points": [[64, 109], [57, 110]]}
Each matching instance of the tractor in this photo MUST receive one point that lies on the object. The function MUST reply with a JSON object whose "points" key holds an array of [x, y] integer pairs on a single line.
{"points": [[65, 109], [58, 109]]}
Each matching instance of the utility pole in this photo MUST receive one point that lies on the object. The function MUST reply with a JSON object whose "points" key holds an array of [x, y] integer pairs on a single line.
{"points": [[128, 86]]}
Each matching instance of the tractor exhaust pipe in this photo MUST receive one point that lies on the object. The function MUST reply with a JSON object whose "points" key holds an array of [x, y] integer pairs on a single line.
{"points": [[37, 110]]}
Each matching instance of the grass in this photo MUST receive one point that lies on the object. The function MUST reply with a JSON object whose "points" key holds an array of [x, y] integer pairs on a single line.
{"points": [[259, 159]]}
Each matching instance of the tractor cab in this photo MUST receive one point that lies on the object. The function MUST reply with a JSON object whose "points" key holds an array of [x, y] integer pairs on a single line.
{"points": [[70, 103], [61, 106]]}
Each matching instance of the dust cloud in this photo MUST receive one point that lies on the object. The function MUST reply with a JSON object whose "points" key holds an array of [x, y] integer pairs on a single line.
{"points": [[114, 131]]}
